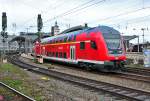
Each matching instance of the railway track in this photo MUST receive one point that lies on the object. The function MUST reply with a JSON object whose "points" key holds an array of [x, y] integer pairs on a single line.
{"points": [[115, 90], [18, 95], [131, 76], [140, 71], [123, 74]]}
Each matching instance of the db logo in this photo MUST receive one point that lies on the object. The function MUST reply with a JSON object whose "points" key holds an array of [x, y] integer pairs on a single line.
{"points": [[116, 58]]}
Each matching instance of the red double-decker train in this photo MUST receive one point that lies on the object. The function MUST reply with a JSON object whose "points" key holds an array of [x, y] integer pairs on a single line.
{"points": [[99, 47]]}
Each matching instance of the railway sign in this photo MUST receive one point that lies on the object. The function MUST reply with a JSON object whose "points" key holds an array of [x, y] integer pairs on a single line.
{"points": [[147, 58]]}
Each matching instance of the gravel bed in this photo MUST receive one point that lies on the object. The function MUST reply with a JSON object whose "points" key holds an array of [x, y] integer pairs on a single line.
{"points": [[55, 90], [106, 78]]}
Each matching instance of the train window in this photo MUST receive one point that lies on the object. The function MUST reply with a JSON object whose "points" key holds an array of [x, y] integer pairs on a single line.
{"points": [[49, 53], [65, 39], [74, 37], [60, 54], [56, 40], [56, 54], [69, 38], [60, 40], [53, 54], [93, 45], [82, 45], [65, 55]]}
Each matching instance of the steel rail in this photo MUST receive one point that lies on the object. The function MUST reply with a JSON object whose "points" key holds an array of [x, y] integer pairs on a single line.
{"points": [[27, 98], [140, 71]]}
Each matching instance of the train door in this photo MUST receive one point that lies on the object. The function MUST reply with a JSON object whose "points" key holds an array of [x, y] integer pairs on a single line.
{"points": [[43, 51], [72, 53]]}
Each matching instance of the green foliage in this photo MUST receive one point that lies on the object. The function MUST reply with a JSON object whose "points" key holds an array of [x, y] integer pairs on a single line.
{"points": [[19, 80]]}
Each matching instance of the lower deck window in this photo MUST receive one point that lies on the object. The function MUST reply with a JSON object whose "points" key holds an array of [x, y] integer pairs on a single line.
{"points": [[82, 45], [56, 54], [60, 54], [65, 56], [53, 54]]}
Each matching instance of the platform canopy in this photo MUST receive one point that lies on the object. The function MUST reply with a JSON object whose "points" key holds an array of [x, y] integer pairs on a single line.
{"points": [[18, 38], [128, 38]]}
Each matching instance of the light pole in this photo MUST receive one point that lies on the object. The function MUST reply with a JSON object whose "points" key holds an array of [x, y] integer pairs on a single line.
{"points": [[27, 39], [143, 29], [138, 41]]}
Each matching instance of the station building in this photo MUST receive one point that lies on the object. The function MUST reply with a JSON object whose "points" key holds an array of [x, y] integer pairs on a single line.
{"points": [[7, 45]]}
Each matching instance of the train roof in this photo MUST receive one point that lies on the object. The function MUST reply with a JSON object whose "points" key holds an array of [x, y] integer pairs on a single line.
{"points": [[104, 29], [72, 29]]}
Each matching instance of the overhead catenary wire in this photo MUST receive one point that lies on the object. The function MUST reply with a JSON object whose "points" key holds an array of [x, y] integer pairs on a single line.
{"points": [[42, 12], [121, 14], [76, 9]]}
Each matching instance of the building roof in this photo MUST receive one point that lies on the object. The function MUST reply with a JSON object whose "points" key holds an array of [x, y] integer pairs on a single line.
{"points": [[76, 28], [18, 38], [128, 38]]}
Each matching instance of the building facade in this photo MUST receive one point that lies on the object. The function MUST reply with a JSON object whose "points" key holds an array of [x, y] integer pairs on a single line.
{"points": [[8, 46]]}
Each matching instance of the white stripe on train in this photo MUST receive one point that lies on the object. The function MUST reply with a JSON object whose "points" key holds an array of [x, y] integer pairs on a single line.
{"points": [[73, 61]]}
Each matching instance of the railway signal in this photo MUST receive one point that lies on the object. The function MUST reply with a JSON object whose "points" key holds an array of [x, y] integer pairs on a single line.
{"points": [[4, 34], [4, 21], [39, 23]]}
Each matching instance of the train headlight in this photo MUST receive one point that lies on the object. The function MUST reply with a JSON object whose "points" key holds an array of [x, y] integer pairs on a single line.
{"points": [[120, 52], [110, 52]]}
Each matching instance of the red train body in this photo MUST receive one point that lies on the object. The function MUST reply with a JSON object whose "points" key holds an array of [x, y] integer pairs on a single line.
{"points": [[99, 47]]}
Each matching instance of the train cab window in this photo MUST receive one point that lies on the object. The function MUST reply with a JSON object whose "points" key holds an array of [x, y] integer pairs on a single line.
{"points": [[93, 45], [65, 56], [82, 45]]}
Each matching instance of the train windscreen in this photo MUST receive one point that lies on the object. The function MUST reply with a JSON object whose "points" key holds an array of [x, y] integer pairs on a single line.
{"points": [[112, 38]]}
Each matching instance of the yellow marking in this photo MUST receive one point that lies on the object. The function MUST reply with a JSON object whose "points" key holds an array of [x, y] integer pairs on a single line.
{"points": [[45, 78], [64, 43], [59, 43]]}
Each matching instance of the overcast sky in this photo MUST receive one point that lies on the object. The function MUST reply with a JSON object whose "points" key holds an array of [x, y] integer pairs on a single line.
{"points": [[123, 15]]}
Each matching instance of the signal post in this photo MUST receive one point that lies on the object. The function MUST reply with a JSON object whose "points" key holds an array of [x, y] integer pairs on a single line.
{"points": [[39, 28], [4, 35]]}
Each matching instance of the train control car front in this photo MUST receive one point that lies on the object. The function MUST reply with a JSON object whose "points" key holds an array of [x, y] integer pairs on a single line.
{"points": [[115, 49]]}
